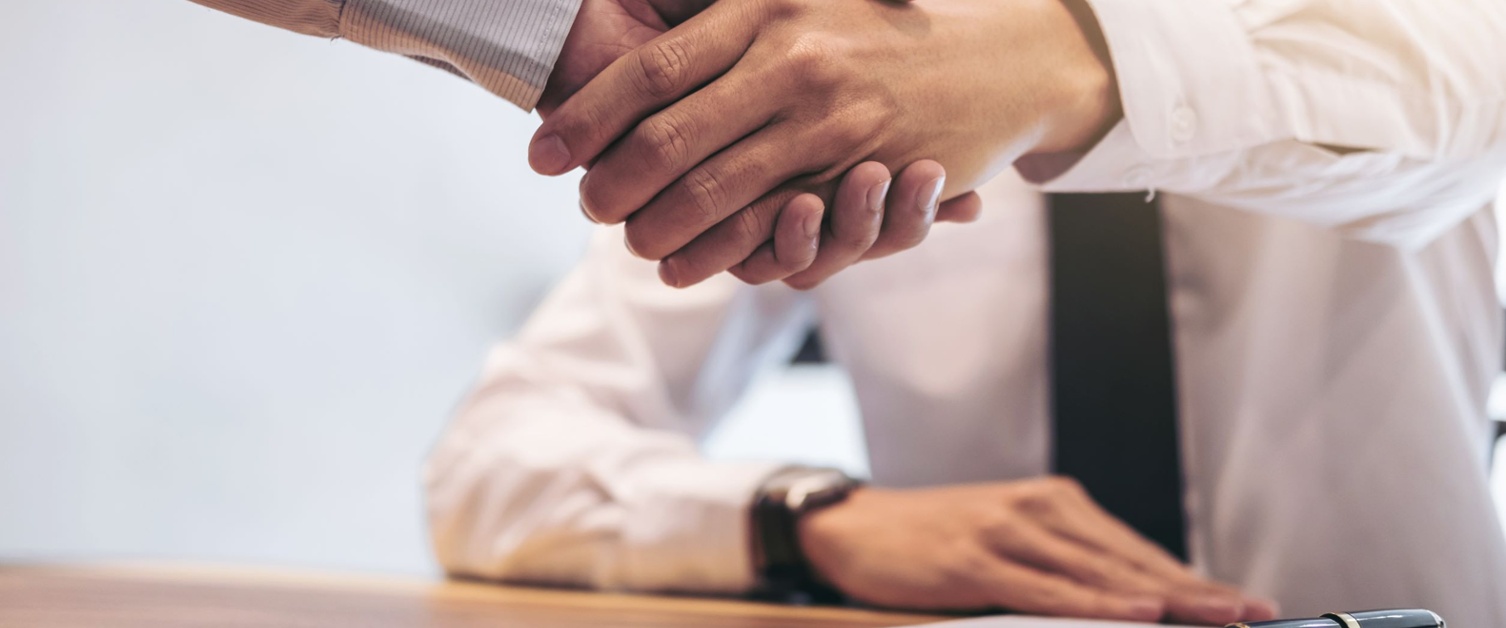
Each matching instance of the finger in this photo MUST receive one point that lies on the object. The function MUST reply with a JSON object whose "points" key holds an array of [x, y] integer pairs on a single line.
{"points": [[965, 208], [797, 236], [1190, 598], [669, 143], [1260, 609], [1077, 516], [1023, 589], [724, 245], [910, 209], [857, 215], [713, 191], [639, 83], [1051, 553]]}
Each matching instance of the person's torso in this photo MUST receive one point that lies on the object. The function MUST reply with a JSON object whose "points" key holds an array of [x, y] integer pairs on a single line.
{"points": [[1331, 392]]}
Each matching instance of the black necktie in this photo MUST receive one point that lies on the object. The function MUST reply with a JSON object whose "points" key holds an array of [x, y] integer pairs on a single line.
{"points": [[1114, 393]]}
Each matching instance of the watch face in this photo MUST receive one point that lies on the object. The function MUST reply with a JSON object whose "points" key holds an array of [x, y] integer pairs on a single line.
{"points": [[817, 489]]}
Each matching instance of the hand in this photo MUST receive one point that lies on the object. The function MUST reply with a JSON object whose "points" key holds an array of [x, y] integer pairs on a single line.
{"points": [[1038, 546], [605, 30], [757, 95]]}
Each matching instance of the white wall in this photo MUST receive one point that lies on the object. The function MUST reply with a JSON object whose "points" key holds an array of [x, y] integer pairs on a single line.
{"points": [[244, 275]]}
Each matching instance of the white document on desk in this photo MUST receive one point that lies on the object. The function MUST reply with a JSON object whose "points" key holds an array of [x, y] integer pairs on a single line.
{"points": [[1022, 621]]}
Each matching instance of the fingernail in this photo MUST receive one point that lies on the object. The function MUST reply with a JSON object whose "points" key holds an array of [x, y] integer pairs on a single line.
{"points": [[586, 212], [585, 199], [811, 226], [929, 195], [627, 241], [876, 195], [548, 155], [668, 273]]}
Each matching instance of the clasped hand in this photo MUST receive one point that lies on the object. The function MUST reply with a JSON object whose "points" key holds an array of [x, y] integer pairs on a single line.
{"points": [[758, 136]]}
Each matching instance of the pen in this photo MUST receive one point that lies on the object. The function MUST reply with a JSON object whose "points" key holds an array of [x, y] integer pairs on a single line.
{"points": [[1401, 618]]}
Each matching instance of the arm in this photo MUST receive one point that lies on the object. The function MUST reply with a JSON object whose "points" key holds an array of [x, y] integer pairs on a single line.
{"points": [[1250, 103], [506, 46], [1385, 118], [511, 47], [574, 461]]}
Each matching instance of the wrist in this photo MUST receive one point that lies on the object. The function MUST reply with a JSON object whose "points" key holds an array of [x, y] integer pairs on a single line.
{"points": [[781, 505], [1082, 104]]}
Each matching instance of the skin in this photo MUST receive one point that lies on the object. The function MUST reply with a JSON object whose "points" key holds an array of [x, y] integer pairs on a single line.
{"points": [[1037, 546], [873, 214], [698, 138]]}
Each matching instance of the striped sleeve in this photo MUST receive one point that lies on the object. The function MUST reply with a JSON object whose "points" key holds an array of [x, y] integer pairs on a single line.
{"points": [[506, 46]]}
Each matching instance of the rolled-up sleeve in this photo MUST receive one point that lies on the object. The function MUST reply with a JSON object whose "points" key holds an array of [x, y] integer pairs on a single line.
{"points": [[575, 460], [506, 46], [1385, 118]]}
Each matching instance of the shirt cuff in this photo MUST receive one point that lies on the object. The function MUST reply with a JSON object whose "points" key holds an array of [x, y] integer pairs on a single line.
{"points": [[691, 526], [1187, 76], [508, 47], [1120, 163]]}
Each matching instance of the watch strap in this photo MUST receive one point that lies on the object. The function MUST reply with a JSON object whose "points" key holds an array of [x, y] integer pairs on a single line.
{"points": [[780, 502]]}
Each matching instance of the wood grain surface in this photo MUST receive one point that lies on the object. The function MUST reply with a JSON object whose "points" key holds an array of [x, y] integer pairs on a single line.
{"points": [[172, 596]]}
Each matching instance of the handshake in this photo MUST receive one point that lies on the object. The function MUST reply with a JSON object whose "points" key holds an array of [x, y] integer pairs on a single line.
{"points": [[760, 137]]}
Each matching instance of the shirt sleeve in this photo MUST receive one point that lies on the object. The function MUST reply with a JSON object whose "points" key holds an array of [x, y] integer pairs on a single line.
{"points": [[575, 461], [1384, 118], [506, 46]]}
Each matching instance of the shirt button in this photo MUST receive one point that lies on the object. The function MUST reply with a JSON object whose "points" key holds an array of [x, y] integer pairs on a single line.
{"points": [[1183, 124]]}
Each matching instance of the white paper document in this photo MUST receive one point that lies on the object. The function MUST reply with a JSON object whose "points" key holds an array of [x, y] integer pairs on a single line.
{"points": [[1023, 621]]}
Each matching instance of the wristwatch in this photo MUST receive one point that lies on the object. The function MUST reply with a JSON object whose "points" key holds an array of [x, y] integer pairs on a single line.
{"points": [[778, 506]]}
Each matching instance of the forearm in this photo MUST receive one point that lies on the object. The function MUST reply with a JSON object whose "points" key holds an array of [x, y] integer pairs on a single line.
{"points": [[1328, 110], [544, 486], [575, 460], [506, 46]]}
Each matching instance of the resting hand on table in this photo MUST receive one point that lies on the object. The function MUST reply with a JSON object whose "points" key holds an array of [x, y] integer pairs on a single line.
{"points": [[1037, 546], [871, 216], [689, 134]]}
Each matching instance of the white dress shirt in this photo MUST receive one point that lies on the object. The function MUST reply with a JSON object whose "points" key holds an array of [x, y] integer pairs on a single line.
{"points": [[1326, 168], [1332, 399], [506, 46]]}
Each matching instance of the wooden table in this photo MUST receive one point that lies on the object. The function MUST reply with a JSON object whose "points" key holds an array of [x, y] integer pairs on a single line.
{"points": [[171, 596]]}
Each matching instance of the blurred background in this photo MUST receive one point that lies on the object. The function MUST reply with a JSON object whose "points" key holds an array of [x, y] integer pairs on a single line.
{"points": [[246, 275]]}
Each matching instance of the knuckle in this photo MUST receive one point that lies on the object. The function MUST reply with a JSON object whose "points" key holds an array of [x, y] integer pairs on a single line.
{"points": [[1001, 529], [663, 68], [1038, 503], [588, 120], [665, 140], [857, 123], [815, 60], [706, 195], [783, 9], [848, 130], [751, 226]]}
